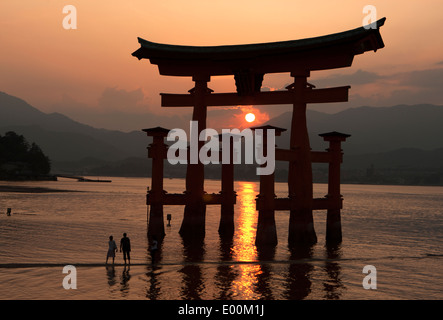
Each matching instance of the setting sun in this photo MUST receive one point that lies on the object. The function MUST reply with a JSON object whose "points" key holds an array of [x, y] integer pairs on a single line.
{"points": [[250, 117]]}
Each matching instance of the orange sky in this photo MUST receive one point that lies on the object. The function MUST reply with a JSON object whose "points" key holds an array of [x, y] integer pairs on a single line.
{"points": [[58, 70]]}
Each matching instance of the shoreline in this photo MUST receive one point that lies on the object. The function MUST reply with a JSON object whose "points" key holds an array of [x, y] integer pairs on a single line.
{"points": [[22, 189]]}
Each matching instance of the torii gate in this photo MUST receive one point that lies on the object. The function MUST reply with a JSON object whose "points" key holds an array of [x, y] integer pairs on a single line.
{"points": [[248, 64]]}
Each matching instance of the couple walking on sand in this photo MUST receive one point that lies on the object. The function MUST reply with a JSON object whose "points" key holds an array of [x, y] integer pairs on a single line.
{"points": [[125, 246]]}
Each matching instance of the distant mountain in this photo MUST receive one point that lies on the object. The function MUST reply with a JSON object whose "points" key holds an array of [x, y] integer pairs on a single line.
{"points": [[372, 129], [405, 158], [400, 138], [402, 166], [408, 166], [64, 139]]}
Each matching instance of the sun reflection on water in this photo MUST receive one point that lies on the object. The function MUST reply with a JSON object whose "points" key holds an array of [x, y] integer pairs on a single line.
{"points": [[244, 247]]}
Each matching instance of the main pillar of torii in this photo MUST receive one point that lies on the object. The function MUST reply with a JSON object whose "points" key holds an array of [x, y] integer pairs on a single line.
{"points": [[193, 224], [248, 64]]}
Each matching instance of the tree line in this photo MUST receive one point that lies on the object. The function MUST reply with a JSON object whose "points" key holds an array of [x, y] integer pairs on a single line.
{"points": [[18, 157]]}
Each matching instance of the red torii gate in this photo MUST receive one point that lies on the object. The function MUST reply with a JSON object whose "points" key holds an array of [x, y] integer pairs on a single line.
{"points": [[248, 64]]}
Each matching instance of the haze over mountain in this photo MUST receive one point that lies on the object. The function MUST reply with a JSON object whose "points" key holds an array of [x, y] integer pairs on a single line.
{"points": [[407, 136], [374, 130], [64, 139]]}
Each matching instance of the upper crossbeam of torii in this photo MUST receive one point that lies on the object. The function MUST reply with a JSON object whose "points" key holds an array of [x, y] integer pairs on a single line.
{"points": [[255, 60]]}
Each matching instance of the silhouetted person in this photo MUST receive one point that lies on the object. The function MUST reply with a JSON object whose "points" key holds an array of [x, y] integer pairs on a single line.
{"points": [[8, 212], [111, 250], [153, 249], [125, 245]]}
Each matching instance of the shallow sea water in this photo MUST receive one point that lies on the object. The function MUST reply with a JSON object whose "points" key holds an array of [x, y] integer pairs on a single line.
{"points": [[397, 229]]}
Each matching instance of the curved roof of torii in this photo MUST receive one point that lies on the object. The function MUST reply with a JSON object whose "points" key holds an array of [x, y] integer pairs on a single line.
{"points": [[319, 53]]}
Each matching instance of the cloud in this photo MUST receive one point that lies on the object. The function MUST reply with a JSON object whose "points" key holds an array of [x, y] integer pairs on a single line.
{"points": [[413, 87], [129, 110], [119, 109], [234, 117], [118, 99], [423, 79], [114, 99], [373, 89], [133, 109], [360, 77], [110, 100]]}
